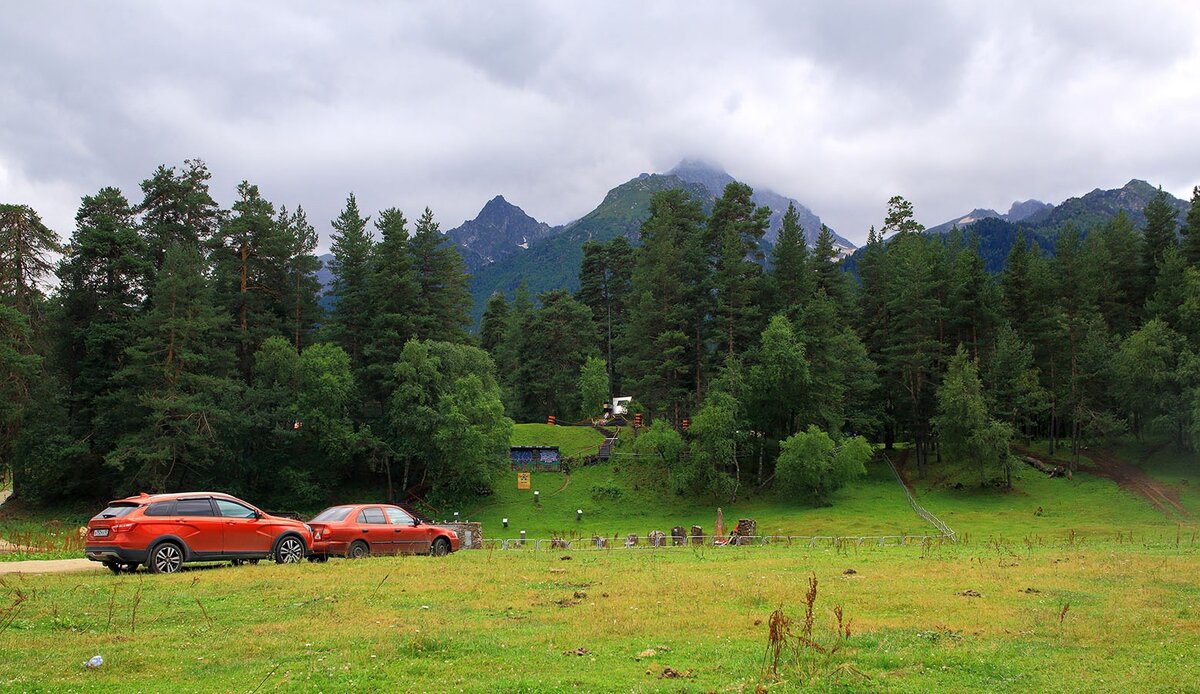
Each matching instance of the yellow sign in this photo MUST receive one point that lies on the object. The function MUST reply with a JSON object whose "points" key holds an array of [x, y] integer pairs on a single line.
{"points": [[522, 480]]}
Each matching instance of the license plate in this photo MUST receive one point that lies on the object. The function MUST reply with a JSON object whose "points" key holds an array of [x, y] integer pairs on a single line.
{"points": [[100, 532]]}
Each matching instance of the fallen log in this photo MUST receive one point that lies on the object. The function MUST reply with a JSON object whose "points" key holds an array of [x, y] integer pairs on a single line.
{"points": [[1051, 470]]}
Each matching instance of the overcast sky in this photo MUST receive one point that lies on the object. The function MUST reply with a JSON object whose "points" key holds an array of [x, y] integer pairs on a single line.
{"points": [[954, 105]]}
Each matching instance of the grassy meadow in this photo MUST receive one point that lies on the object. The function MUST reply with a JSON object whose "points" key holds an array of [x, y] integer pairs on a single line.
{"points": [[1056, 585], [1094, 616]]}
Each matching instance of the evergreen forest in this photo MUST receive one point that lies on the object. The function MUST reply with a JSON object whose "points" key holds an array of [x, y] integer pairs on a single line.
{"points": [[167, 343]]}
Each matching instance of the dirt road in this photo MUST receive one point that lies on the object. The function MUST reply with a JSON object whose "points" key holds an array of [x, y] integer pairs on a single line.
{"points": [[48, 566], [1130, 477]]}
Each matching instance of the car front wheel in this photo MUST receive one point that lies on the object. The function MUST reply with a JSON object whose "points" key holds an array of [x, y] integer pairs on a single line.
{"points": [[441, 547], [166, 558], [289, 550]]}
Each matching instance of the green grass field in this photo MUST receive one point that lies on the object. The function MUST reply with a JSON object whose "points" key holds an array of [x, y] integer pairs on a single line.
{"points": [[1097, 592], [490, 621]]}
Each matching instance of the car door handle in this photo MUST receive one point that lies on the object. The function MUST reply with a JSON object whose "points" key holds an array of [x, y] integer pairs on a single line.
{"points": [[396, 530], [364, 532]]}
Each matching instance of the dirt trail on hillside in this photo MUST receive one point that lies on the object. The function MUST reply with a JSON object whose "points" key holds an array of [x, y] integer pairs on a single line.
{"points": [[566, 481], [48, 566], [1131, 478]]}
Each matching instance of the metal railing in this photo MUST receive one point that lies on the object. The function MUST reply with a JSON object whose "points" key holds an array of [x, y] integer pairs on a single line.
{"points": [[921, 511], [644, 543]]}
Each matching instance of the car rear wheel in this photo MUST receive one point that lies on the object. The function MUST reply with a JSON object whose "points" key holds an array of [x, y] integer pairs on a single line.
{"points": [[358, 550], [289, 550], [167, 558], [440, 548]]}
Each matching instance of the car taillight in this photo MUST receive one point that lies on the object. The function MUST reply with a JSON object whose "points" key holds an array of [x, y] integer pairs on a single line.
{"points": [[122, 527]]}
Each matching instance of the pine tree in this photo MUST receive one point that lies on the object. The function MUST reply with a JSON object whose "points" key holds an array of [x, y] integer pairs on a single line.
{"points": [[604, 286], [176, 207], [392, 299], [1157, 237], [175, 385], [513, 357], [964, 426], [26, 244], [1112, 273], [101, 289], [872, 318], [666, 342], [353, 253], [250, 266], [826, 265], [561, 340], [443, 300], [1170, 292], [914, 352], [843, 394], [792, 281], [1191, 230], [301, 294], [1013, 388], [734, 233], [494, 323], [19, 369], [900, 219], [973, 300]]}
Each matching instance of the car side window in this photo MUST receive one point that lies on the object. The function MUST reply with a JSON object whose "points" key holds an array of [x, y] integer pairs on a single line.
{"points": [[232, 509], [194, 507], [398, 517], [372, 515], [162, 508]]}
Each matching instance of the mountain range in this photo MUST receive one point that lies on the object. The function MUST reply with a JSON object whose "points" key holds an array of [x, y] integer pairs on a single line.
{"points": [[1084, 212], [1040, 222], [503, 245]]}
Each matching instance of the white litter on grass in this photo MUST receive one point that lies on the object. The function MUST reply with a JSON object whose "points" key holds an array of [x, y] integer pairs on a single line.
{"points": [[424, 607], [94, 662]]}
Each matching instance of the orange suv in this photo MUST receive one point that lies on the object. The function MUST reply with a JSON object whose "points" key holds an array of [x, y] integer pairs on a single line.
{"points": [[164, 531]]}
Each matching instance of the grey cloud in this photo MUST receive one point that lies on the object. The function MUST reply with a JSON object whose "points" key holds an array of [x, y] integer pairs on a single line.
{"points": [[840, 105]]}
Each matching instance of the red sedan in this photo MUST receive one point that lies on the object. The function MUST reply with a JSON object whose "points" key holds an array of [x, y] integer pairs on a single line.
{"points": [[359, 530]]}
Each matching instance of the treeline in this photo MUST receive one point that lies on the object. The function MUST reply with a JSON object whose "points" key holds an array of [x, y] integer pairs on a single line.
{"points": [[185, 346], [1098, 339]]}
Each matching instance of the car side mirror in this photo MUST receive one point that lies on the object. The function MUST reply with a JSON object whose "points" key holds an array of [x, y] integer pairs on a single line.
{"points": [[258, 515], [416, 522]]}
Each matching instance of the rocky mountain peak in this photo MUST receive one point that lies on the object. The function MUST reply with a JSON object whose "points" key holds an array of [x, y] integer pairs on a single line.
{"points": [[498, 231]]}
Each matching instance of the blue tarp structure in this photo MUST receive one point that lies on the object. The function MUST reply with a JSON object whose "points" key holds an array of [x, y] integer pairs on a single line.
{"points": [[534, 458]]}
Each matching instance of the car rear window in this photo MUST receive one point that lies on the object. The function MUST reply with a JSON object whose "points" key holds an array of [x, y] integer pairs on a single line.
{"points": [[162, 508], [194, 507], [117, 511], [372, 515], [336, 513]]}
